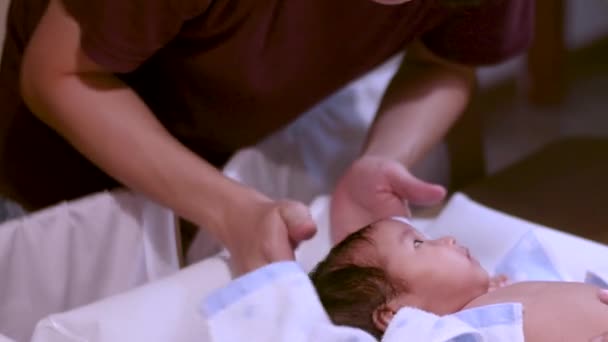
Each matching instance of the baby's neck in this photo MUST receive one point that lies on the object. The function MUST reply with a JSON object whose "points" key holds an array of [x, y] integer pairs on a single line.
{"points": [[446, 308], [447, 303]]}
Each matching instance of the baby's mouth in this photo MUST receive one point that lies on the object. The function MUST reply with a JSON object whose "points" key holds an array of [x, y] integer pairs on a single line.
{"points": [[470, 257], [467, 253]]}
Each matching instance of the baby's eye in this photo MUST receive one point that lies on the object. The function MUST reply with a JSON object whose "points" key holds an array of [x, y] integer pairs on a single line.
{"points": [[417, 243]]}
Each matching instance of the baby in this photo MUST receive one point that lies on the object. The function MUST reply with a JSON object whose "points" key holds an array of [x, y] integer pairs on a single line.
{"points": [[388, 265]]}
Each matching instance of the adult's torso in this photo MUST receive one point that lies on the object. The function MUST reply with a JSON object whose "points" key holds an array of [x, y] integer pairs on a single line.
{"points": [[245, 68], [233, 74]]}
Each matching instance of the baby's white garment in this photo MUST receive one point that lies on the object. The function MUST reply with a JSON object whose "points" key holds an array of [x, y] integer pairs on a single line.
{"points": [[279, 303], [275, 303], [496, 323]]}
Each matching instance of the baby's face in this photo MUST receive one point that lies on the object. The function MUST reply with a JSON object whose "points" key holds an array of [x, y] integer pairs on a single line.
{"points": [[440, 276]]}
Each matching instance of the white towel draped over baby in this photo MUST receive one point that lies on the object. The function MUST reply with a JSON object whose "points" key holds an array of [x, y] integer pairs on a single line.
{"points": [[279, 303]]}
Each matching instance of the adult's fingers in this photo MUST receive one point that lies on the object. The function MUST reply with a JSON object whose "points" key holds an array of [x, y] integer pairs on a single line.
{"points": [[299, 222], [414, 190]]}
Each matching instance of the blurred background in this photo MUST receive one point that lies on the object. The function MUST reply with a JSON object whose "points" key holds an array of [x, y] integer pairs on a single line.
{"points": [[543, 123], [558, 90]]}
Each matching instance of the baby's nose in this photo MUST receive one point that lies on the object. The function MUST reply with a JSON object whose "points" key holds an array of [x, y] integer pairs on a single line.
{"points": [[448, 240]]}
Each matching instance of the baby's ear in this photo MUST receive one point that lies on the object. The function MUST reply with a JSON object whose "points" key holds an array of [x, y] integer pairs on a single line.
{"points": [[382, 316]]}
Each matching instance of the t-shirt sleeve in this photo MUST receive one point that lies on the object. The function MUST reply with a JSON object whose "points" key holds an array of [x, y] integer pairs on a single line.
{"points": [[121, 34], [487, 34]]}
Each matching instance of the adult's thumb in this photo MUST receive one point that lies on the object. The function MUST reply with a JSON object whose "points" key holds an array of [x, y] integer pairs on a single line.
{"points": [[298, 220], [416, 191]]}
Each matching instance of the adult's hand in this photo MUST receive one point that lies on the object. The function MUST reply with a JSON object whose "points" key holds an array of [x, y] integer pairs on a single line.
{"points": [[374, 188], [104, 119], [422, 101], [266, 231]]}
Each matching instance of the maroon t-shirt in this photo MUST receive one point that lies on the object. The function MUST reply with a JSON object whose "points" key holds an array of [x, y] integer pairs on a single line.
{"points": [[221, 74]]}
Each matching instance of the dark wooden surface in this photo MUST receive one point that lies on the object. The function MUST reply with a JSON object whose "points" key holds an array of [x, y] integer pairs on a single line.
{"points": [[545, 73], [563, 186]]}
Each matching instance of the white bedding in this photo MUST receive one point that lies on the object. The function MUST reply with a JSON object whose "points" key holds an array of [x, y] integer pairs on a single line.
{"points": [[175, 300], [76, 253], [490, 234]]}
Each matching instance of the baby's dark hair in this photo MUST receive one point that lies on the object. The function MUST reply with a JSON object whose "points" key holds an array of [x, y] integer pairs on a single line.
{"points": [[351, 288]]}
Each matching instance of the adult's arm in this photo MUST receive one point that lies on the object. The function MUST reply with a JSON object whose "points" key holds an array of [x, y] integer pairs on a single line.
{"points": [[423, 100], [427, 95], [109, 124]]}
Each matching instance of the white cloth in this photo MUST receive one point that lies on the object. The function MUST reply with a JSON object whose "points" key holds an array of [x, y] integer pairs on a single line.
{"points": [[489, 234], [78, 252], [492, 323], [160, 311], [279, 303]]}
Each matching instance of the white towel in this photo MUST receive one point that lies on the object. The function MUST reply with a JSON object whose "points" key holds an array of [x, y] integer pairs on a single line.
{"points": [[279, 303]]}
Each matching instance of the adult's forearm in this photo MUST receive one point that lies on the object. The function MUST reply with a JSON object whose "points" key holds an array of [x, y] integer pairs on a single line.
{"points": [[117, 132], [109, 124], [423, 100]]}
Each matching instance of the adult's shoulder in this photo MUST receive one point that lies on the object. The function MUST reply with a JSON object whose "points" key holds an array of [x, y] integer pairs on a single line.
{"points": [[121, 34], [485, 33]]}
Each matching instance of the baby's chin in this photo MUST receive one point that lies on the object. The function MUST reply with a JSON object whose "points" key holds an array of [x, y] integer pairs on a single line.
{"points": [[482, 285], [483, 274], [485, 288], [457, 300], [476, 290]]}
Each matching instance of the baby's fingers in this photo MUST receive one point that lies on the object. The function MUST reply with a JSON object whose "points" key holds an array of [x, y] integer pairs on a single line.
{"points": [[500, 280], [603, 295]]}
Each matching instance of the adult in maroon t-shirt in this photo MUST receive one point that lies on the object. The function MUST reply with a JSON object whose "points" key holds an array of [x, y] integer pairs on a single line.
{"points": [[157, 92]]}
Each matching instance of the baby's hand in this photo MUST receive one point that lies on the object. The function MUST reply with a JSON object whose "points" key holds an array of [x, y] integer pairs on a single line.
{"points": [[498, 281]]}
